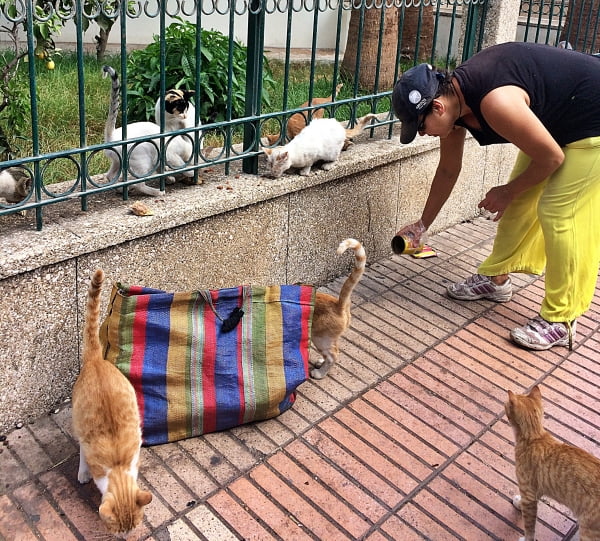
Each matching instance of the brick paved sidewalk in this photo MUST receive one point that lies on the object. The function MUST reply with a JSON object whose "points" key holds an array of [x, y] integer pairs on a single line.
{"points": [[406, 438]]}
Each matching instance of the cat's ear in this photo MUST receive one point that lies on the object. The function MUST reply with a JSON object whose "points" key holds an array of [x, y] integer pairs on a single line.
{"points": [[535, 392], [283, 156], [268, 151], [187, 94], [106, 508], [143, 497], [509, 405]]}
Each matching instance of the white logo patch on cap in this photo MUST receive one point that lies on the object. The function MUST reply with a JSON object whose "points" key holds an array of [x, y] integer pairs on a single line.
{"points": [[414, 96]]}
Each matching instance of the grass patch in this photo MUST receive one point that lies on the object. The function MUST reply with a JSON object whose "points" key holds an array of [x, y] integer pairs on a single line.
{"points": [[59, 110]]}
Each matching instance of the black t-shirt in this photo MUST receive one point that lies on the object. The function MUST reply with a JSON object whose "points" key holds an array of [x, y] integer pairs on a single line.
{"points": [[563, 87]]}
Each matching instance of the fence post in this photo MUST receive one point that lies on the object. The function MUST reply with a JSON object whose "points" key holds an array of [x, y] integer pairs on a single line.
{"points": [[470, 30], [501, 21], [37, 179], [256, 38]]}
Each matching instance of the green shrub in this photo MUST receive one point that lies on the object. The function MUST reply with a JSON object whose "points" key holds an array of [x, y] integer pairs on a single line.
{"points": [[15, 110], [143, 72]]}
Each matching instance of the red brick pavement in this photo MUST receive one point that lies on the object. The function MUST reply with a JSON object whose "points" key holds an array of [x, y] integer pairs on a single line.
{"points": [[406, 439]]}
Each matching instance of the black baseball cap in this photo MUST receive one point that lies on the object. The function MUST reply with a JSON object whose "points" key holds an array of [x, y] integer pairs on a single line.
{"points": [[412, 94]]}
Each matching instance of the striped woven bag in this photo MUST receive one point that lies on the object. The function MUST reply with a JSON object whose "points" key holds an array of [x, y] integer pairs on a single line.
{"points": [[197, 366]]}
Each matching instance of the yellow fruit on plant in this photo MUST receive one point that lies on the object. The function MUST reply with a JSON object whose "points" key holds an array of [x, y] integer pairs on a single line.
{"points": [[50, 64], [41, 54]]}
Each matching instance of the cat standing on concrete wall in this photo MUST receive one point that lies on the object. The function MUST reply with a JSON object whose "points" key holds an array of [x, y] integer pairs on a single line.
{"points": [[142, 157], [321, 141], [298, 121], [15, 184]]}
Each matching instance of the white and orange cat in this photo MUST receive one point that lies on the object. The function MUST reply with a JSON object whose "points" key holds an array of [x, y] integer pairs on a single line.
{"points": [[106, 423], [143, 157], [547, 467], [321, 141], [296, 123], [331, 316]]}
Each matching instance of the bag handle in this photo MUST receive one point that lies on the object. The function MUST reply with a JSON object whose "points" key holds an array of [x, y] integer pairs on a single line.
{"points": [[231, 321]]}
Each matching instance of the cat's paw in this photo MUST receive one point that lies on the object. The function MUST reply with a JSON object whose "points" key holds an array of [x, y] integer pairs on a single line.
{"points": [[318, 373], [304, 172], [319, 362], [84, 476], [328, 165], [516, 501]]}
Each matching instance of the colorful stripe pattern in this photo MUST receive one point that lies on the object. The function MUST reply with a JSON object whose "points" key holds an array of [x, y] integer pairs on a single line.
{"points": [[192, 378]]}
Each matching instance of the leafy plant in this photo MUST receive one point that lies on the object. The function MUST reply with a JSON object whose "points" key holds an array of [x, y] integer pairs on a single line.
{"points": [[15, 109], [181, 71]]}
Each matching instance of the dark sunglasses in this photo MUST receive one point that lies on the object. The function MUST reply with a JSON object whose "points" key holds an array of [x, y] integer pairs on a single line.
{"points": [[421, 125]]}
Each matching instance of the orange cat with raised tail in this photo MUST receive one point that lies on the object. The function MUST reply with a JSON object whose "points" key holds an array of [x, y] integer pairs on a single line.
{"points": [[106, 422], [332, 314], [547, 467]]}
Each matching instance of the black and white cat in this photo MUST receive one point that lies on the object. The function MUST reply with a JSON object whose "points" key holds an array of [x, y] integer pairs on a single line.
{"points": [[180, 112], [15, 184], [321, 141], [143, 158]]}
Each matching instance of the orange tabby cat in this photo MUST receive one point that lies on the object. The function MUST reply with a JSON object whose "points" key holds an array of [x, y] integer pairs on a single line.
{"points": [[106, 423], [298, 120], [331, 315], [546, 467]]}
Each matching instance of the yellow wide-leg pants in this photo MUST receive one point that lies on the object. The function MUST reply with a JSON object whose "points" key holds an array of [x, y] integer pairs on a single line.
{"points": [[555, 226]]}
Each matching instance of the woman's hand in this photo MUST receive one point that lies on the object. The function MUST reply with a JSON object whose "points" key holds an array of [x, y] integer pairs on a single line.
{"points": [[415, 233], [496, 200]]}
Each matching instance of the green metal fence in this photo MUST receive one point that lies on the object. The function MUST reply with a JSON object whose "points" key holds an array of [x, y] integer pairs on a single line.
{"points": [[369, 43], [572, 24]]}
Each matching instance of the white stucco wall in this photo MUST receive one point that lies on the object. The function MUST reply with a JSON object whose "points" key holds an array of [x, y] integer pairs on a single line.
{"points": [[141, 30]]}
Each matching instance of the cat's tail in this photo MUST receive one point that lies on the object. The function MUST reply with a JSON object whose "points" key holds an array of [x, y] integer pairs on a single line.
{"points": [[115, 102], [361, 124], [92, 348], [358, 270]]}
